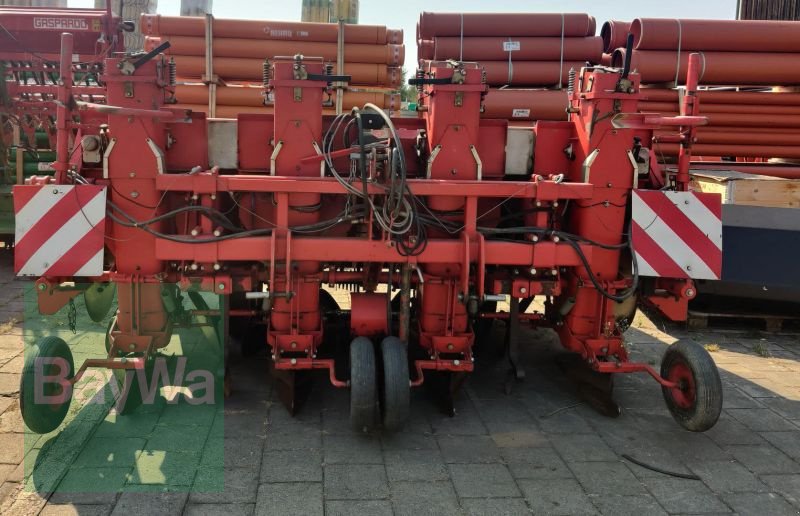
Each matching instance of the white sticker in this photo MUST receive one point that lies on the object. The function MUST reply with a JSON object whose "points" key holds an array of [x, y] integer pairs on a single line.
{"points": [[521, 113], [510, 46], [43, 166]]}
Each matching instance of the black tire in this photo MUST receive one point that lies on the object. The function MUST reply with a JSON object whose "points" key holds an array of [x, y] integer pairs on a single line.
{"points": [[362, 384], [396, 395], [45, 417], [697, 403]]}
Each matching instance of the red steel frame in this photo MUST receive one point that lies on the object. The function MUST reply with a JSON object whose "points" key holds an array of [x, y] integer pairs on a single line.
{"points": [[153, 144]]}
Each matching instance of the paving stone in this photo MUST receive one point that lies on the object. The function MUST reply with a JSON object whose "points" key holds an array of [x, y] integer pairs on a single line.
{"points": [[519, 439], [214, 509], [231, 485], [132, 425], [556, 497], [761, 503], [292, 466], [300, 439], [787, 485], [147, 504], [495, 506], [483, 481], [355, 482], [535, 463], [9, 384], [762, 420], [352, 449], [93, 486], [289, 499], [788, 408], [74, 509], [424, 499], [764, 459], [243, 452], [110, 452], [582, 448], [677, 495], [728, 477], [11, 448], [606, 477], [468, 449], [730, 431], [410, 465], [467, 421], [787, 442], [624, 505], [177, 438], [402, 441], [165, 468], [352, 507]]}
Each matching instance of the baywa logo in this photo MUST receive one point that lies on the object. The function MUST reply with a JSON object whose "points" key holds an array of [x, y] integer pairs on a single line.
{"points": [[195, 387]]}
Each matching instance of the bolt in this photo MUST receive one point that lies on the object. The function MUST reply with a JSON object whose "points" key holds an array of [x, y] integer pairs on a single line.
{"points": [[134, 194], [213, 196], [221, 286], [689, 292], [556, 239], [132, 347], [456, 362], [217, 266], [293, 345], [688, 267], [554, 272], [450, 346], [686, 201], [555, 204], [534, 238], [195, 232], [533, 271], [217, 232], [132, 174], [293, 361], [523, 290], [193, 266], [538, 203], [42, 286], [55, 191]]}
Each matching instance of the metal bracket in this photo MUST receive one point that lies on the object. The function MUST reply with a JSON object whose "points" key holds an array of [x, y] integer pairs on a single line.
{"points": [[431, 158], [106, 154], [478, 162], [158, 154], [587, 164], [274, 157]]}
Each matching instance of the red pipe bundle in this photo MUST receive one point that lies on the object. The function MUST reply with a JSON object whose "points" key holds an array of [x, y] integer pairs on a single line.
{"points": [[527, 105], [516, 49], [614, 34]]}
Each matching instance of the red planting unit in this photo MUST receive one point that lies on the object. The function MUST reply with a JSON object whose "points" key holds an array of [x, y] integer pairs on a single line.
{"points": [[429, 222]]}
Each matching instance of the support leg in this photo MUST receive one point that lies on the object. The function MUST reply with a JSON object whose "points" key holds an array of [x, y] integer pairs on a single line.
{"points": [[516, 373]]}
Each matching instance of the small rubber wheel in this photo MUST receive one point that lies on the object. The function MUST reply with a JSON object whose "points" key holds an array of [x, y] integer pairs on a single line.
{"points": [[362, 384], [45, 410], [697, 401], [396, 395]]}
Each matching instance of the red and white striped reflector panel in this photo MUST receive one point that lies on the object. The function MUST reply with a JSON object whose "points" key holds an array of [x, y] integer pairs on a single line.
{"points": [[677, 234], [59, 230]]}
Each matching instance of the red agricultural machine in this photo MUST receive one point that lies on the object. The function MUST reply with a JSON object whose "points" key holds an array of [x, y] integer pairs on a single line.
{"points": [[429, 221]]}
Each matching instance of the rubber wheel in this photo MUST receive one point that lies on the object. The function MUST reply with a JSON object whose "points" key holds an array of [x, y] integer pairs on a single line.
{"points": [[697, 403], [45, 417], [362, 384], [396, 395]]}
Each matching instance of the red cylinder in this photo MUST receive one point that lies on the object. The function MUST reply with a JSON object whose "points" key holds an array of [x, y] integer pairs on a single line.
{"points": [[512, 104], [530, 49], [614, 34], [525, 73], [393, 55], [738, 68], [156, 24], [505, 24], [719, 35]]}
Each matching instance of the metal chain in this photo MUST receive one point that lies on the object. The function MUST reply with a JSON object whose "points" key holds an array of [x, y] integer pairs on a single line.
{"points": [[72, 316]]}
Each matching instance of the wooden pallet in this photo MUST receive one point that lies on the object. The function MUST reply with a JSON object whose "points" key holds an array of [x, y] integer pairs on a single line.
{"points": [[748, 189], [698, 320]]}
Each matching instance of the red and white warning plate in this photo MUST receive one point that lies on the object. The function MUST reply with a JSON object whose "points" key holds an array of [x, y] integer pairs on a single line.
{"points": [[59, 230], [677, 234]]}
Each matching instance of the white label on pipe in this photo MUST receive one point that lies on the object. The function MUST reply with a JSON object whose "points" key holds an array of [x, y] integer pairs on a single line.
{"points": [[521, 113], [43, 166], [510, 46]]}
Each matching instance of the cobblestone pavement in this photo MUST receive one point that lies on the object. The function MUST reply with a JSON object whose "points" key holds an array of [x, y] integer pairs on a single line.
{"points": [[537, 450]]}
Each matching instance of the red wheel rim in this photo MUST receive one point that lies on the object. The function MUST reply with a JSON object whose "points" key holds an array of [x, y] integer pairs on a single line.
{"points": [[684, 394]]}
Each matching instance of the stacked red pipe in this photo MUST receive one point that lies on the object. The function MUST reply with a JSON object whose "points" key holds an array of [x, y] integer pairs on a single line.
{"points": [[738, 58], [518, 51], [373, 57]]}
